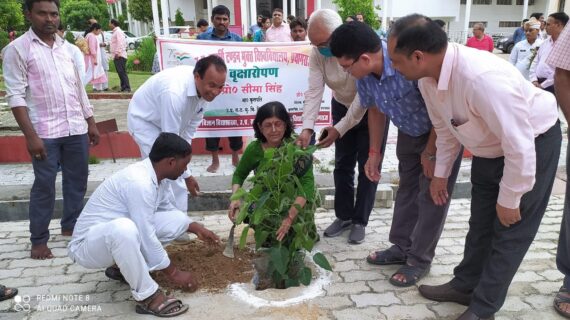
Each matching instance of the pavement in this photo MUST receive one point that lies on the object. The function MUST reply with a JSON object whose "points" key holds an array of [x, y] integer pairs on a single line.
{"points": [[58, 289]]}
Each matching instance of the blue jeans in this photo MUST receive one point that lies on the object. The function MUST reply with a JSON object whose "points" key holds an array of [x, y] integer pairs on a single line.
{"points": [[73, 154]]}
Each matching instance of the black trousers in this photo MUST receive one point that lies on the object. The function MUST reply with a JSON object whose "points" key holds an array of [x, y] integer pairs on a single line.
{"points": [[493, 253], [213, 144], [349, 149], [121, 67]]}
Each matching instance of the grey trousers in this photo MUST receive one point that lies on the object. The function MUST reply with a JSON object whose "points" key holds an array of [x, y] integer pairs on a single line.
{"points": [[417, 222], [73, 154], [493, 252]]}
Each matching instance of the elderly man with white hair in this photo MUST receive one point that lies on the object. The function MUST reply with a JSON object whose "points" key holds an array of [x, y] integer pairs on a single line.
{"points": [[349, 132]]}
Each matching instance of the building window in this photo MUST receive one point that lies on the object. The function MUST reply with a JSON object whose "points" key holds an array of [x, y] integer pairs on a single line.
{"points": [[505, 2], [509, 24], [472, 23], [561, 5], [463, 2], [521, 2], [488, 2]]}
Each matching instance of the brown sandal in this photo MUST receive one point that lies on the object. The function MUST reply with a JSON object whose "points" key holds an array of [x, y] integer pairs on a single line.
{"points": [[165, 309]]}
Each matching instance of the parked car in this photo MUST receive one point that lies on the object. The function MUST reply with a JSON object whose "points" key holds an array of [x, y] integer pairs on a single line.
{"points": [[506, 44], [131, 39]]}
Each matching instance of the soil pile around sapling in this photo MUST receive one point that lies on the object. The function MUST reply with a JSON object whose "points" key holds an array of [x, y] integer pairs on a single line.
{"points": [[213, 271]]}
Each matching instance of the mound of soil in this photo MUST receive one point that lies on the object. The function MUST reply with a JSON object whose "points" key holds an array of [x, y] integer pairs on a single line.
{"points": [[213, 271]]}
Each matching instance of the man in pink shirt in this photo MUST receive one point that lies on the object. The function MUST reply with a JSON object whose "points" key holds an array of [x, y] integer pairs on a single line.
{"points": [[51, 107], [480, 40], [279, 31], [512, 129], [560, 60], [119, 54]]}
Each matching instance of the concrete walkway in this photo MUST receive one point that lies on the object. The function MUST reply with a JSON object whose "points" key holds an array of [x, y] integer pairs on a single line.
{"points": [[357, 290]]}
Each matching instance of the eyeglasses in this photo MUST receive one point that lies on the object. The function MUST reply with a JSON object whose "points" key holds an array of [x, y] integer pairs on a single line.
{"points": [[277, 125], [347, 68]]}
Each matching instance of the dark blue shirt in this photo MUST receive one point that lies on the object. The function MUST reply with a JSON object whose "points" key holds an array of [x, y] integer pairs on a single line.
{"points": [[519, 35], [398, 98], [211, 35]]}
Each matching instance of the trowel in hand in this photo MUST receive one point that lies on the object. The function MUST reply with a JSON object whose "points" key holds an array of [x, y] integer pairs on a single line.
{"points": [[229, 250]]}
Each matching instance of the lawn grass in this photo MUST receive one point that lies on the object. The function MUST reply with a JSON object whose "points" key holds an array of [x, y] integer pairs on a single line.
{"points": [[136, 79]]}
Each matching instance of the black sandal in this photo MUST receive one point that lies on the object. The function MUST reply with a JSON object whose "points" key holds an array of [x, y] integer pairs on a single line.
{"points": [[165, 309], [385, 257], [562, 299], [115, 273], [5, 296], [412, 274]]}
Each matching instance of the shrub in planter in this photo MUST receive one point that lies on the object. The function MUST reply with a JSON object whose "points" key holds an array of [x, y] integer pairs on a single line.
{"points": [[144, 54], [275, 187]]}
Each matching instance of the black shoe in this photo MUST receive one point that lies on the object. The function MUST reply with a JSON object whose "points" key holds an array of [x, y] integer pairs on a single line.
{"points": [[115, 274], [336, 228], [445, 293], [126, 90]]}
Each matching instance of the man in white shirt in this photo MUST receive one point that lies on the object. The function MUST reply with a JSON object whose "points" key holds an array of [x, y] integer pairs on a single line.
{"points": [[481, 101], [526, 49], [349, 133], [279, 31], [174, 100], [129, 218], [541, 73]]}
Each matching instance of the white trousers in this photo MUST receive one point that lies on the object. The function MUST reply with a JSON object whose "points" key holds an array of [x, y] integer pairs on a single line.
{"points": [[144, 139], [118, 242]]}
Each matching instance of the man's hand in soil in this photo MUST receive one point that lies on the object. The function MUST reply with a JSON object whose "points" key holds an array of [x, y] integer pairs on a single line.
{"points": [[203, 234], [180, 278]]}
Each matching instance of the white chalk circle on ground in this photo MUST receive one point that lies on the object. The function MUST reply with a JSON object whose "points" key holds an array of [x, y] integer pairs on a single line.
{"points": [[284, 297]]}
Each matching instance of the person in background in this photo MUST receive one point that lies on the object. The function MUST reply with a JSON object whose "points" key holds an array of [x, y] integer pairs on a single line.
{"points": [[480, 40], [255, 27], [350, 19], [360, 17], [519, 34], [298, 30], [202, 26], [75, 53], [118, 50], [260, 34], [541, 74], [94, 72], [103, 52], [525, 50], [221, 22], [278, 32], [51, 107], [290, 18], [542, 35]]}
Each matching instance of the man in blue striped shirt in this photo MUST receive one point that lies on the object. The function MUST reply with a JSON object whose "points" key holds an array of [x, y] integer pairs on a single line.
{"points": [[417, 222]]}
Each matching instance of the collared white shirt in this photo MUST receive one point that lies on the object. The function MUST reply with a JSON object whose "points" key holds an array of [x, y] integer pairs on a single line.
{"points": [[484, 103], [278, 34], [326, 70], [539, 68], [44, 80], [167, 102], [522, 53], [133, 193]]}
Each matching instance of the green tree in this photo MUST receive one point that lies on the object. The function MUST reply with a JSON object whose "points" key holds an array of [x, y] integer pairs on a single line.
{"points": [[75, 13], [141, 10], [178, 18], [365, 7], [11, 14]]}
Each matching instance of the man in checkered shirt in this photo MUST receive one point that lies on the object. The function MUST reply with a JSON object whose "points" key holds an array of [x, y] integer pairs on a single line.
{"points": [[559, 58]]}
